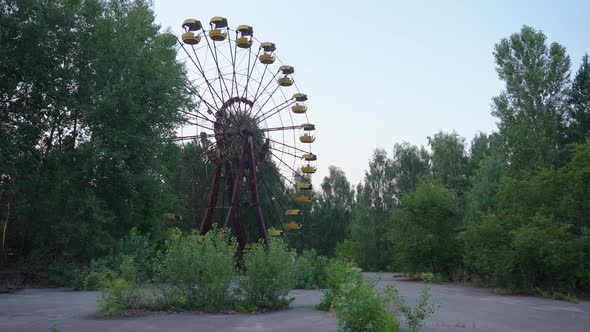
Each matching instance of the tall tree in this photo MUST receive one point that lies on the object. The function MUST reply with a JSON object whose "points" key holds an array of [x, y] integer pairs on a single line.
{"points": [[409, 163], [578, 116], [332, 212], [449, 160], [89, 94], [530, 109], [374, 200]]}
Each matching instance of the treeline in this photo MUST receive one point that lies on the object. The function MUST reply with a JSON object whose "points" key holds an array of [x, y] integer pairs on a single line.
{"points": [[89, 97], [512, 210], [91, 93]]}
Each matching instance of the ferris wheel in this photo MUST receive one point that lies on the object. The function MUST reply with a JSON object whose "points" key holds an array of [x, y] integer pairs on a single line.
{"points": [[249, 113]]}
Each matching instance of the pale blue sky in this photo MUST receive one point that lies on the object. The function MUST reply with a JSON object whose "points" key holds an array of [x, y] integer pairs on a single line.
{"points": [[381, 72]]}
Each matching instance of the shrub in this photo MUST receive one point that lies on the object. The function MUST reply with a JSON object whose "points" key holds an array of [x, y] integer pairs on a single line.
{"points": [[348, 250], [120, 292], [310, 270], [269, 275], [134, 245], [414, 316], [359, 307], [338, 273], [196, 272]]}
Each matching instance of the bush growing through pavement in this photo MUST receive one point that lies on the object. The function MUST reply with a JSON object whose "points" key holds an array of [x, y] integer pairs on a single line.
{"points": [[196, 272], [361, 308], [269, 275], [120, 292], [310, 270], [414, 316], [338, 274]]}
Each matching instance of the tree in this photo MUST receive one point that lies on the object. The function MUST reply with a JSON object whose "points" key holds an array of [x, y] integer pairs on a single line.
{"points": [[486, 182], [578, 116], [539, 233], [449, 161], [530, 110], [409, 163], [332, 213], [90, 95], [375, 198], [423, 231]]}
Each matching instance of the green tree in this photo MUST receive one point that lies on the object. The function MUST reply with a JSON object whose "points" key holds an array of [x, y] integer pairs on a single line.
{"points": [[409, 163], [486, 182], [578, 116], [530, 110], [450, 163], [90, 95], [374, 199], [423, 231], [332, 212]]}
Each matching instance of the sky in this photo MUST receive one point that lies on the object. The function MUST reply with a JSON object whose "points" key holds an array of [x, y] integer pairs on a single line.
{"points": [[383, 72]]}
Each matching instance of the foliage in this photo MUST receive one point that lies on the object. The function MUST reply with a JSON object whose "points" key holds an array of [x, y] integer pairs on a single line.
{"points": [[423, 231], [449, 161], [538, 237], [414, 316], [531, 108], [578, 114], [310, 270], [120, 292], [136, 246], [269, 275], [200, 269], [481, 198], [347, 251], [90, 93], [360, 307], [331, 215], [338, 273]]}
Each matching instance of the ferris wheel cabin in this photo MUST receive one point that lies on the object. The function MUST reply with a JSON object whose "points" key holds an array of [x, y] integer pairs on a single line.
{"points": [[217, 23], [244, 36], [267, 57], [287, 71]]}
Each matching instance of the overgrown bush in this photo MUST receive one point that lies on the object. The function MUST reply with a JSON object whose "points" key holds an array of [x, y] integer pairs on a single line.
{"points": [[135, 245], [338, 274], [348, 250], [310, 270], [359, 308], [120, 291], [414, 316], [196, 273], [269, 275]]}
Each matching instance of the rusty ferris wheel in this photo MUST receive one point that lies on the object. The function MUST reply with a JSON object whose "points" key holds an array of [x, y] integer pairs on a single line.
{"points": [[249, 112]]}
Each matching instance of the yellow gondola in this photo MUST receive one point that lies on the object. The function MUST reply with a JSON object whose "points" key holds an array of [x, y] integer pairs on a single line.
{"points": [[190, 38], [268, 48], [298, 109], [304, 186], [245, 31], [293, 226], [308, 126], [309, 157], [305, 138], [285, 81], [300, 97], [190, 24], [308, 169], [293, 212], [217, 35], [218, 23], [303, 199], [275, 232]]}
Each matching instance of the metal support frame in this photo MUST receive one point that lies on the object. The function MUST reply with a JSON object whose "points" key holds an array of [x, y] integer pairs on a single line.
{"points": [[233, 188]]}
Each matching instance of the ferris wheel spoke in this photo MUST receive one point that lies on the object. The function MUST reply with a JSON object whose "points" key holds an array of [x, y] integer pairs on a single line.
{"points": [[287, 145], [267, 100], [200, 69], [250, 71], [265, 115]]}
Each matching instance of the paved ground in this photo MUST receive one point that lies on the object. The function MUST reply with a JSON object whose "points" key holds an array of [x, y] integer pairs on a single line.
{"points": [[462, 308]]}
